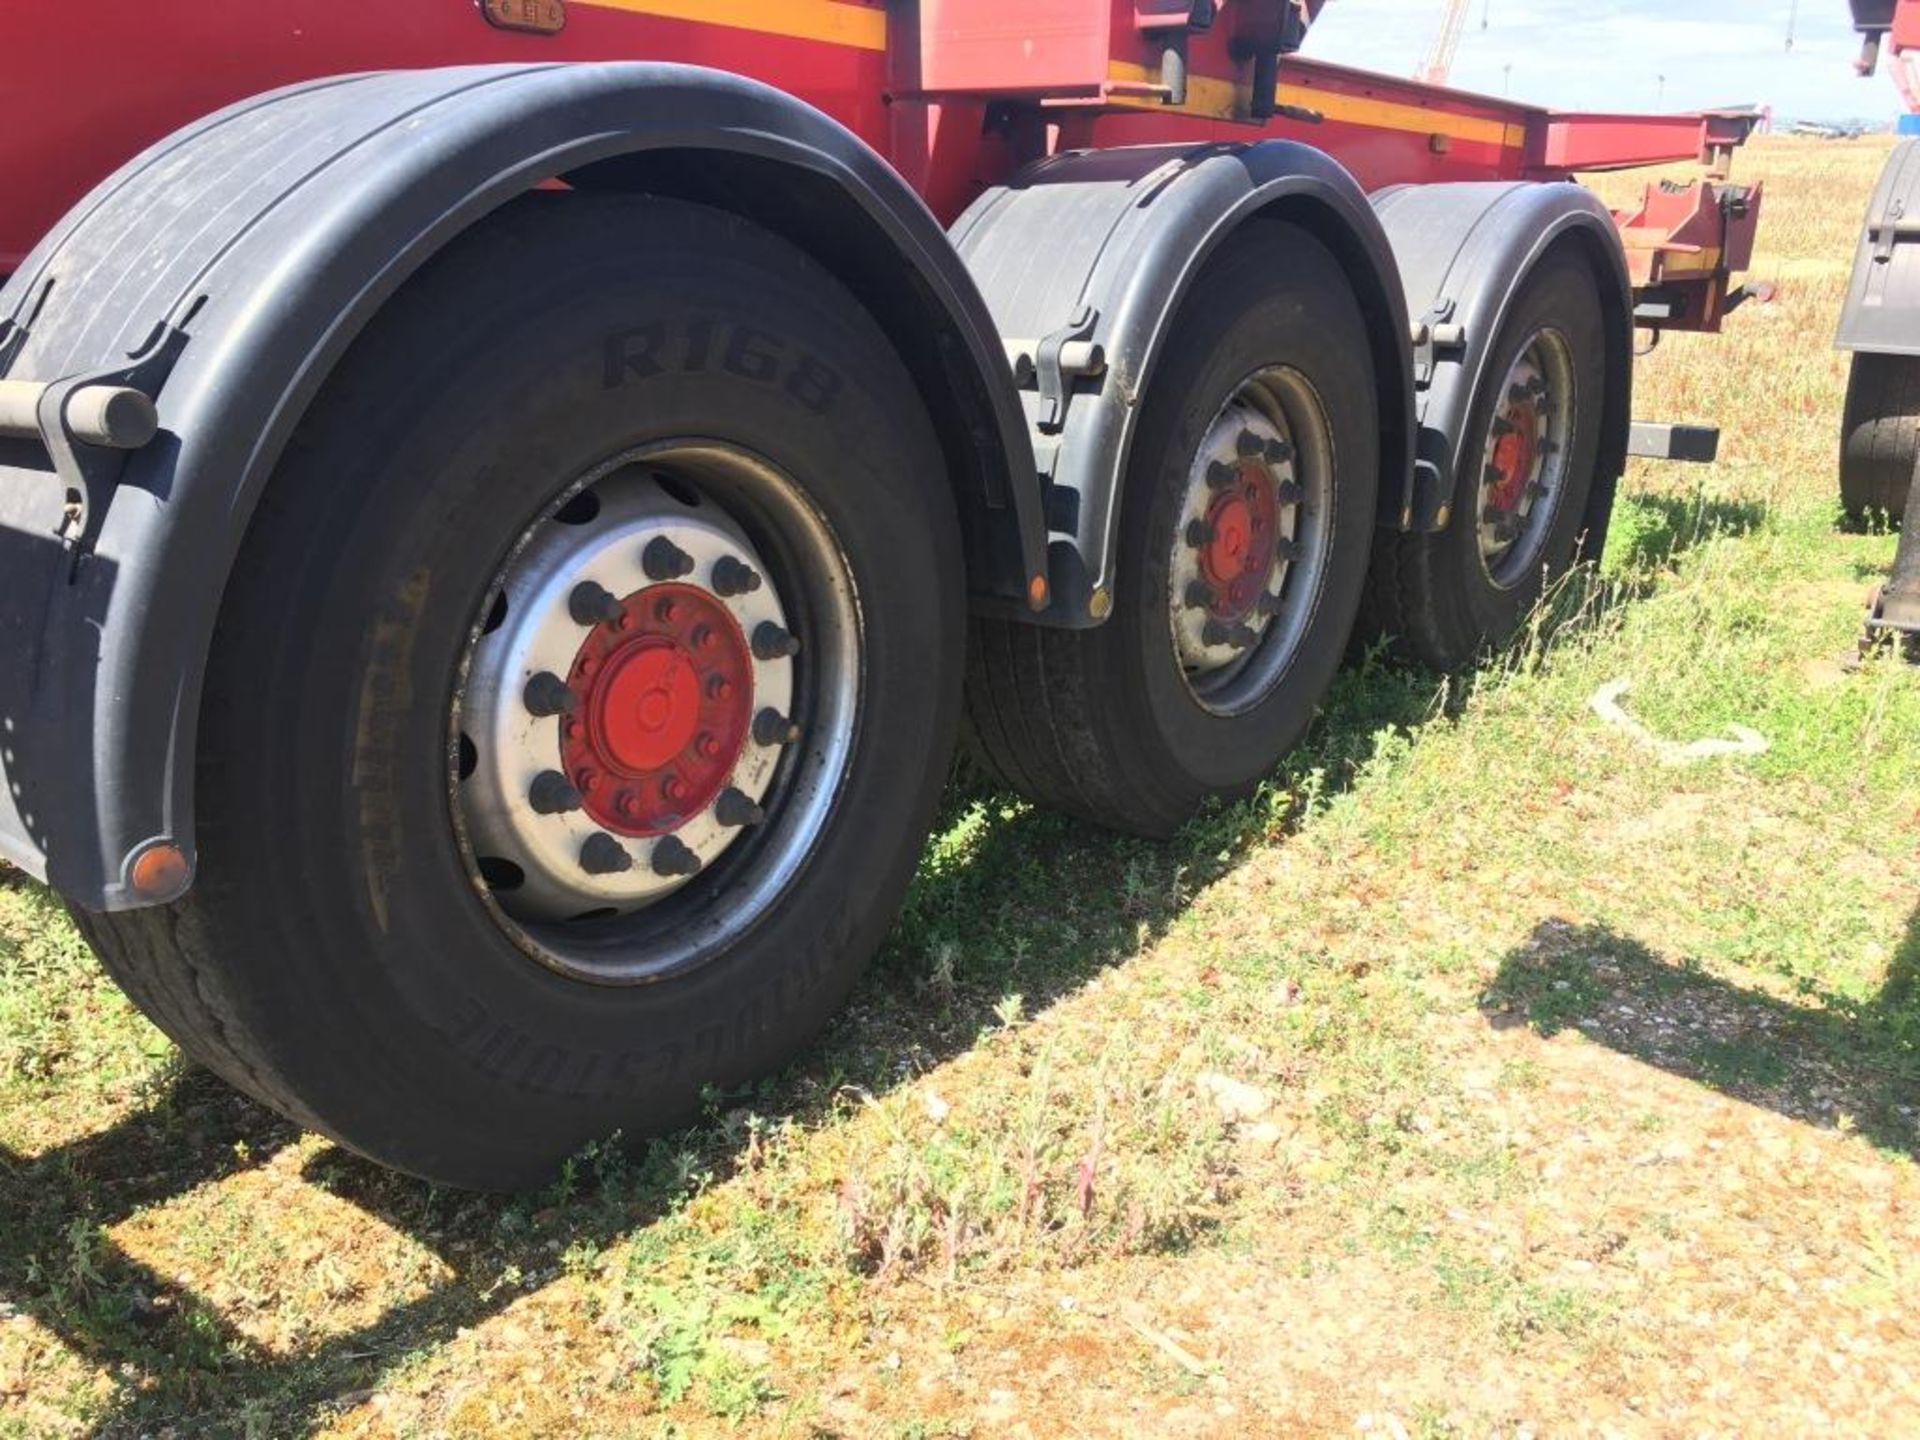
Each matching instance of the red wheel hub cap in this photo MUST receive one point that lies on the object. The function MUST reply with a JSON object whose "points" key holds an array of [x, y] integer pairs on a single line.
{"points": [[666, 693], [1513, 457], [1243, 524]]}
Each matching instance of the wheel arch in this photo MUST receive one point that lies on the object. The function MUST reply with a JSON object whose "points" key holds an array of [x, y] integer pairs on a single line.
{"points": [[1465, 251], [1118, 239], [239, 258], [1881, 314]]}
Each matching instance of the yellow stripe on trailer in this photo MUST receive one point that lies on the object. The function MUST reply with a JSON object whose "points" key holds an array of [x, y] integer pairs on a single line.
{"points": [[1225, 100], [832, 21]]}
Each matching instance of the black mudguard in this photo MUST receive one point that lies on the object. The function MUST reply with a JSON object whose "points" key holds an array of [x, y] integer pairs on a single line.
{"points": [[1882, 311], [1100, 247], [1464, 250], [242, 255]]}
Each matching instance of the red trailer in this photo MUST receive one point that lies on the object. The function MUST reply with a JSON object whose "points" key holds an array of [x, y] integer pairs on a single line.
{"points": [[499, 534]]}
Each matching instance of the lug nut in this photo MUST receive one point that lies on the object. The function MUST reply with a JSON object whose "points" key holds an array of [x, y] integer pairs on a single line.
{"points": [[1199, 532], [1549, 447], [771, 642], [1279, 452], [707, 746], [672, 790], [734, 808], [1503, 426], [719, 687], [770, 727], [665, 609], [547, 694], [1222, 476], [732, 577], [671, 857], [702, 637], [664, 560], [552, 794], [1285, 550], [604, 855], [1238, 636], [591, 605], [1200, 595], [1268, 604], [1250, 445], [1290, 492]]}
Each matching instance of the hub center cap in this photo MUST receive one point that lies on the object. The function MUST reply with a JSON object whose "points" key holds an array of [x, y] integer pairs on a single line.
{"points": [[647, 712], [1238, 560], [627, 715], [668, 687]]}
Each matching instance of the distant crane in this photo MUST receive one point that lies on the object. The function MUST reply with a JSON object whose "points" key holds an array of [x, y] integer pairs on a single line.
{"points": [[1439, 62]]}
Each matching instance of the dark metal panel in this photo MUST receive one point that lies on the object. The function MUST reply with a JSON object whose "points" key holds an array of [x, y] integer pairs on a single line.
{"points": [[270, 235], [1882, 310], [1103, 246], [1464, 251]]}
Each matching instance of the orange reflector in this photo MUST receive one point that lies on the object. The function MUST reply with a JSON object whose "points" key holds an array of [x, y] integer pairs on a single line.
{"points": [[1037, 592], [540, 17], [159, 872]]}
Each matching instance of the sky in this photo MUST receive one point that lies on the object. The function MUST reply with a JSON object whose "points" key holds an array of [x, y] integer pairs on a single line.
{"points": [[1583, 55]]}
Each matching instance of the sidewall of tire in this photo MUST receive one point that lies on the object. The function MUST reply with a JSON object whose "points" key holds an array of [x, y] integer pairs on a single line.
{"points": [[1470, 611], [1880, 437], [1273, 296], [380, 990]]}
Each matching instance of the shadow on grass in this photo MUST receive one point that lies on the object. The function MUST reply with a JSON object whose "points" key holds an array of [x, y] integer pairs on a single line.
{"points": [[1009, 900], [1815, 1062], [1651, 531]]}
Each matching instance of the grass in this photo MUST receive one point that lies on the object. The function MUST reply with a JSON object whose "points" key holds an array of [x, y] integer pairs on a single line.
{"points": [[1482, 1074]]}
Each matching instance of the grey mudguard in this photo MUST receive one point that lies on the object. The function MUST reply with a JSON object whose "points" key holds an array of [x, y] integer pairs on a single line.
{"points": [[255, 245], [1882, 312], [1464, 250], [1099, 247]]}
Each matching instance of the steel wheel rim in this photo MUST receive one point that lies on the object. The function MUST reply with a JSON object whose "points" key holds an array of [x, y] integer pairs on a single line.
{"points": [[1528, 444], [752, 833], [1252, 542]]}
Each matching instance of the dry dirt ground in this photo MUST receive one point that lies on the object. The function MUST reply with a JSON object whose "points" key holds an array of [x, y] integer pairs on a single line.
{"points": [[1485, 1076]]}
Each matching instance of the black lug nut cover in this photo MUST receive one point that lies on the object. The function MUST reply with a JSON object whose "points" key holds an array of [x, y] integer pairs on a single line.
{"points": [[1250, 445], [671, 857], [547, 694], [592, 604], [1199, 595], [664, 560], [734, 808], [604, 855], [732, 576], [552, 794], [772, 642], [770, 727]]}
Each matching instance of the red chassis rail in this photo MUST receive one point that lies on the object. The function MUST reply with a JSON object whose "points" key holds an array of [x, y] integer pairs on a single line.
{"points": [[955, 93]]}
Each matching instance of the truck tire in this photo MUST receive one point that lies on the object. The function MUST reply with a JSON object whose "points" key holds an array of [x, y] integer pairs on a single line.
{"points": [[1248, 503], [1880, 439], [579, 705], [1525, 475]]}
